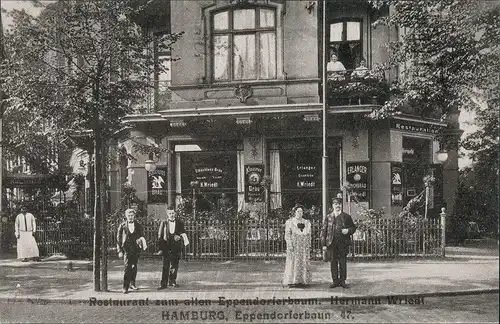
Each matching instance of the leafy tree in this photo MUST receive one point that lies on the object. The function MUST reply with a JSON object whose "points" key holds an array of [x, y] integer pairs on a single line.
{"points": [[80, 66], [448, 50]]}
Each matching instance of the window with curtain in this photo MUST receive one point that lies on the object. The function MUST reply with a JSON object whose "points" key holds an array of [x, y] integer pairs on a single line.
{"points": [[345, 40], [244, 44]]}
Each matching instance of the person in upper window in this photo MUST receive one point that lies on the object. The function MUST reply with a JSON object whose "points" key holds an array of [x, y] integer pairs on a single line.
{"points": [[361, 71], [335, 69]]}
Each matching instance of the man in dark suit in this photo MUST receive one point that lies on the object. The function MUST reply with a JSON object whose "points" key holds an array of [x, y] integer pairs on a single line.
{"points": [[172, 237], [130, 241], [336, 238]]}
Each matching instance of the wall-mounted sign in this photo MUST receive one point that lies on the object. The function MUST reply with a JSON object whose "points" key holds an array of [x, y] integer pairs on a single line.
{"points": [[411, 126], [157, 185], [254, 192], [358, 176], [396, 184], [209, 177]]}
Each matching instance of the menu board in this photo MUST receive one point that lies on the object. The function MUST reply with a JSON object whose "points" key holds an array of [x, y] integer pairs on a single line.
{"points": [[396, 184], [254, 192], [358, 176], [157, 185]]}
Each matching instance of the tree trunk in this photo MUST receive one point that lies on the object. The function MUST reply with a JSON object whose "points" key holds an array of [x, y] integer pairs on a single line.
{"points": [[103, 209], [97, 207]]}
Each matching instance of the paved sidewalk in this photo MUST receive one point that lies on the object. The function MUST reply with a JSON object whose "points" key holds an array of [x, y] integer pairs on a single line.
{"points": [[465, 271]]}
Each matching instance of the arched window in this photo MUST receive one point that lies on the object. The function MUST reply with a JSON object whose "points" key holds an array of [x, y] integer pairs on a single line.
{"points": [[244, 44]]}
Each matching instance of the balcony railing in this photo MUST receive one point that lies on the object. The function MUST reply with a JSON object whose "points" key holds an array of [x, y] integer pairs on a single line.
{"points": [[355, 87]]}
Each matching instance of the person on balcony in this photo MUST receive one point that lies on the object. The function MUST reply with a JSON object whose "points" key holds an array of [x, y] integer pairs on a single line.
{"points": [[298, 244], [335, 239], [130, 241], [25, 229], [171, 236], [335, 70], [361, 71]]}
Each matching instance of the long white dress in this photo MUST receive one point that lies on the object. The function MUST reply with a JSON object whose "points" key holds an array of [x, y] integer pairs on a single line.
{"points": [[25, 226], [298, 243]]}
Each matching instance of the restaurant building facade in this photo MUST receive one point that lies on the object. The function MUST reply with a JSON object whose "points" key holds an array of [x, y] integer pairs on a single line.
{"points": [[239, 115]]}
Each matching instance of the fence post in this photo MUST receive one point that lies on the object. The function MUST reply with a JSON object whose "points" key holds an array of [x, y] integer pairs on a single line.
{"points": [[443, 230]]}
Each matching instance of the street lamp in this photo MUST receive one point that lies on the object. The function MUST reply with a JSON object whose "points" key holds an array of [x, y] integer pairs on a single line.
{"points": [[150, 165], [442, 156]]}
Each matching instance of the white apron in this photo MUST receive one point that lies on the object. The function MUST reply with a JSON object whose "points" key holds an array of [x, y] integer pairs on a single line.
{"points": [[26, 246]]}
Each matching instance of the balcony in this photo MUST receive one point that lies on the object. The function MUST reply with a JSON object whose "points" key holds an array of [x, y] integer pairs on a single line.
{"points": [[364, 87]]}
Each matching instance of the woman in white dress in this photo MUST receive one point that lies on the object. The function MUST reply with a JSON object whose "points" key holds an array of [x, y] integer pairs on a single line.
{"points": [[298, 245]]}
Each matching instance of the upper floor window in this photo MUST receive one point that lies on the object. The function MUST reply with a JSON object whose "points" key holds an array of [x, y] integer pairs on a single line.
{"points": [[345, 41], [244, 44]]}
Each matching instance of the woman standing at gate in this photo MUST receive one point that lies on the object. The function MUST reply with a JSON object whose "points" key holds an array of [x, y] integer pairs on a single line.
{"points": [[298, 244]]}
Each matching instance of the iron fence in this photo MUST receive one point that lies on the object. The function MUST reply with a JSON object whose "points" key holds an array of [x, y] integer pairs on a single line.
{"points": [[230, 240]]}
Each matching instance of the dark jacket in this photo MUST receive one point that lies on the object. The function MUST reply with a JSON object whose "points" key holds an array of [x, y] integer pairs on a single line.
{"points": [[126, 241], [166, 240], [332, 230]]}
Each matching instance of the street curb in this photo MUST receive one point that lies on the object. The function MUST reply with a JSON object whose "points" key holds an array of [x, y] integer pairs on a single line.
{"points": [[45, 301]]}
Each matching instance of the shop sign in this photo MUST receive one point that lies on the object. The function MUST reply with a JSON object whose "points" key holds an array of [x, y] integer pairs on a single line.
{"points": [[254, 191], [33, 181], [396, 184], [208, 177], [416, 127], [157, 185], [357, 175]]}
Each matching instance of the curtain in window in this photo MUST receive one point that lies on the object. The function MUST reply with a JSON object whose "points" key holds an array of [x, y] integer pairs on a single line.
{"points": [[276, 179], [240, 155], [221, 55], [267, 56], [244, 57]]}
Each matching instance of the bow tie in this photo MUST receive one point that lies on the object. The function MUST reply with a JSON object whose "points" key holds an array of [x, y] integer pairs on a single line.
{"points": [[172, 221], [131, 222]]}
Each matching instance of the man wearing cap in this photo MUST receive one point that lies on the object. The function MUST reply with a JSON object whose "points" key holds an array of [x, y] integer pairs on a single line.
{"points": [[336, 238]]}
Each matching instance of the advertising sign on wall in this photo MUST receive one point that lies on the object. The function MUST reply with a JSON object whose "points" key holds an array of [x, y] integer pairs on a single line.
{"points": [[157, 185], [254, 192], [358, 176], [208, 177], [396, 184]]}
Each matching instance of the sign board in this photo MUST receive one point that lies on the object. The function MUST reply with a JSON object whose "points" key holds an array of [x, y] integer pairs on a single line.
{"points": [[396, 184], [254, 192], [358, 176], [34, 181], [157, 185], [413, 126], [209, 177]]}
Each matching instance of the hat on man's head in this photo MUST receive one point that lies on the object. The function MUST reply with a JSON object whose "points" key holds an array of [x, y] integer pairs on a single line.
{"points": [[337, 200]]}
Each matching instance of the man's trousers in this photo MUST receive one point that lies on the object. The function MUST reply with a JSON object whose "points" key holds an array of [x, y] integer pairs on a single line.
{"points": [[130, 271], [338, 262], [170, 267]]}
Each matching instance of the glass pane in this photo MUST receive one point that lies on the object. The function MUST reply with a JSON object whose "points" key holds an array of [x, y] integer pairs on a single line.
{"points": [[244, 19], [336, 32], [244, 57], [267, 56], [221, 21], [266, 18], [353, 30], [221, 57]]}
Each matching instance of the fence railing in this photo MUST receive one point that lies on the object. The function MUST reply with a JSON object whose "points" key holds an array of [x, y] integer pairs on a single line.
{"points": [[229, 240]]}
